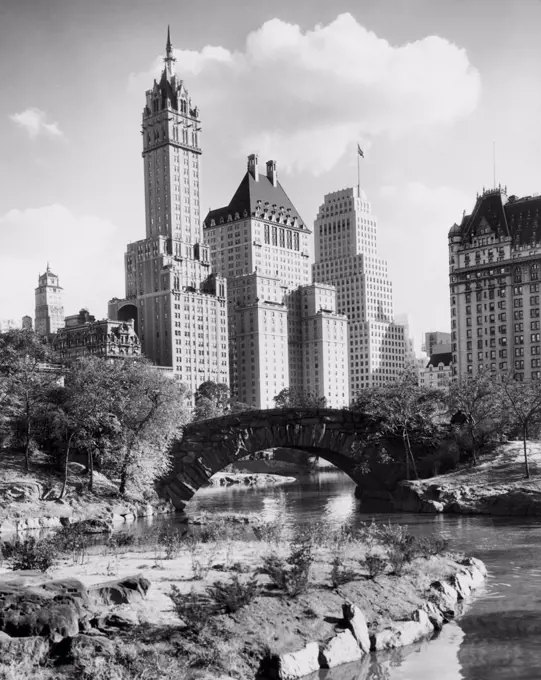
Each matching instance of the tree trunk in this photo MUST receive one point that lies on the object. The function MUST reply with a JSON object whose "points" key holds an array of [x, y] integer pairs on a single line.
{"points": [[406, 456], [124, 474], [90, 465], [525, 445], [66, 461], [473, 447], [27, 444], [411, 456]]}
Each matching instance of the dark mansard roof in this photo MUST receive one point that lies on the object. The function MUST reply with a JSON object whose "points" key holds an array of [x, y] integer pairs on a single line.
{"points": [[497, 215], [253, 195]]}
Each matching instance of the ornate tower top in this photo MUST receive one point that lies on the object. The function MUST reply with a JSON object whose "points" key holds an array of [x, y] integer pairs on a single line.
{"points": [[169, 58]]}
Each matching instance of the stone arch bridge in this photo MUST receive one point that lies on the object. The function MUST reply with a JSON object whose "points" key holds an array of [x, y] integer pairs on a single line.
{"points": [[210, 445]]}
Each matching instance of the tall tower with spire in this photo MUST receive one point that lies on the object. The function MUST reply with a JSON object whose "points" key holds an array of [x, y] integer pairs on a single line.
{"points": [[49, 304], [178, 305]]}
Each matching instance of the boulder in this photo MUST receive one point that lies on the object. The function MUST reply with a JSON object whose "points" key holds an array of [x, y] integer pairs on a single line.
{"points": [[121, 591], [474, 563], [36, 611], [296, 664], [340, 649], [446, 595], [95, 525], [435, 615], [356, 623], [117, 619], [402, 633], [95, 644], [21, 491], [431, 506], [13, 649], [462, 583]]}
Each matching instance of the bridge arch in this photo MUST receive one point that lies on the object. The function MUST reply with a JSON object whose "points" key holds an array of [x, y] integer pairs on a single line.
{"points": [[209, 446]]}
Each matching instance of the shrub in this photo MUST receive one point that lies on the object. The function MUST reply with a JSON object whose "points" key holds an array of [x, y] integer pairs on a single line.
{"points": [[340, 574], [73, 539], [292, 575], [431, 545], [171, 539], [32, 554], [269, 532], [232, 596], [194, 609], [376, 564]]}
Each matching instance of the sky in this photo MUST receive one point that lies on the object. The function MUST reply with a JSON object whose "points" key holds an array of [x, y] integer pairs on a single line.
{"points": [[426, 87]]}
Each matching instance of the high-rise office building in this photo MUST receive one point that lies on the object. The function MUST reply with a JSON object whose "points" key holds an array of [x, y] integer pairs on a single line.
{"points": [[178, 305], [346, 257], [49, 304], [437, 342], [277, 318], [494, 282]]}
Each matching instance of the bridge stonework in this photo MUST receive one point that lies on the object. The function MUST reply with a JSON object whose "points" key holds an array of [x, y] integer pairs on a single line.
{"points": [[209, 446]]}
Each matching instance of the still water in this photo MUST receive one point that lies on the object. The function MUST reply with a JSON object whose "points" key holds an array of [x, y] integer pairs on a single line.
{"points": [[499, 635]]}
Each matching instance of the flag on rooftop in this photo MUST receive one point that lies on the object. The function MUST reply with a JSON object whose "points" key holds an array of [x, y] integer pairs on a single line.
{"points": [[360, 151]]}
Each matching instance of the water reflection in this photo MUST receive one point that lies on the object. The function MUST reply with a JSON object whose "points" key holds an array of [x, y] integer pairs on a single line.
{"points": [[497, 638]]}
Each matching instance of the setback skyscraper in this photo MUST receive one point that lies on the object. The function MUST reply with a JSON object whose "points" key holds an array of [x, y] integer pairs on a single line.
{"points": [[346, 257], [178, 305], [49, 304]]}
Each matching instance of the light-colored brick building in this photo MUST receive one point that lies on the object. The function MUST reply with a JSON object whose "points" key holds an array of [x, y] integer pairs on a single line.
{"points": [[277, 318], [178, 305], [494, 282], [346, 257]]}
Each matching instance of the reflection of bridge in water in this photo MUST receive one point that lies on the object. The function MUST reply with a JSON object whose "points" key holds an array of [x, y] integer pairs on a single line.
{"points": [[210, 445]]}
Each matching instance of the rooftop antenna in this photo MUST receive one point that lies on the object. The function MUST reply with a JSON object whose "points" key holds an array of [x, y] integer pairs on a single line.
{"points": [[494, 162]]}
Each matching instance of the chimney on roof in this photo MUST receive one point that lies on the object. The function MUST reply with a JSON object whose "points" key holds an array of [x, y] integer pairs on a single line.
{"points": [[252, 166], [271, 172]]}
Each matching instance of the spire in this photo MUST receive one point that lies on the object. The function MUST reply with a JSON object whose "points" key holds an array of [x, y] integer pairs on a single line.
{"points": [[169, 59]]}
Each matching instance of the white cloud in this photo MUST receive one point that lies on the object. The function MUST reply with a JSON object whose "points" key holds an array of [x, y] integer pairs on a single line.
{"points": [[84, 250], [32, 120], [304, 96]]}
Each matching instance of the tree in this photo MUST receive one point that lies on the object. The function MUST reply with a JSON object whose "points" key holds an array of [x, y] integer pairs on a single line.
{"points": [[213, 400], [522, 401], [149, 408], [290, 398], [27, 381], [82, 411], [403, 409], [476, 404]]}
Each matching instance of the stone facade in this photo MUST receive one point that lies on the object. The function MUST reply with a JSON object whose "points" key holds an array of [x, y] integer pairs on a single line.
{"points": [[49, 304], [211, 445], [105, 338]]}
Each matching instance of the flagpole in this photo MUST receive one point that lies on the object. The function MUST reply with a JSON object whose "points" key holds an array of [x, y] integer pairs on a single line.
{"points": [[358, 173], [494, 162]]}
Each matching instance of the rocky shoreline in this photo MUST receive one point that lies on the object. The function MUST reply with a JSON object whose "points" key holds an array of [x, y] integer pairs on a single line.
{"points": [[444, 602], [249, 479]]}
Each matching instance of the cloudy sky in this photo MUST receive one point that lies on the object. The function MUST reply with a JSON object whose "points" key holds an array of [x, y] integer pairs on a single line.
{"points": [[425, 86]]}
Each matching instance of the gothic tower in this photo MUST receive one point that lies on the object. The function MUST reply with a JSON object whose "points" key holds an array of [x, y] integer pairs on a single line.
{"points": [[49, 304], [178, 305]]}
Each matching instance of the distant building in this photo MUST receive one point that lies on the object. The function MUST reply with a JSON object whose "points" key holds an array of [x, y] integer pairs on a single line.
{"points": [[281, 326], [494, 285], [178, 305], [49, 304], [346, 257], [437, 373], [27, 323], [437, 342], [83, 335]]}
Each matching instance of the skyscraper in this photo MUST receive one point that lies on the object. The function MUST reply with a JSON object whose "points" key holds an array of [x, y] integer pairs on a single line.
{"points": [[178, 305], [494, 281], [49, 304], [281, 325], [346, 257]]}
